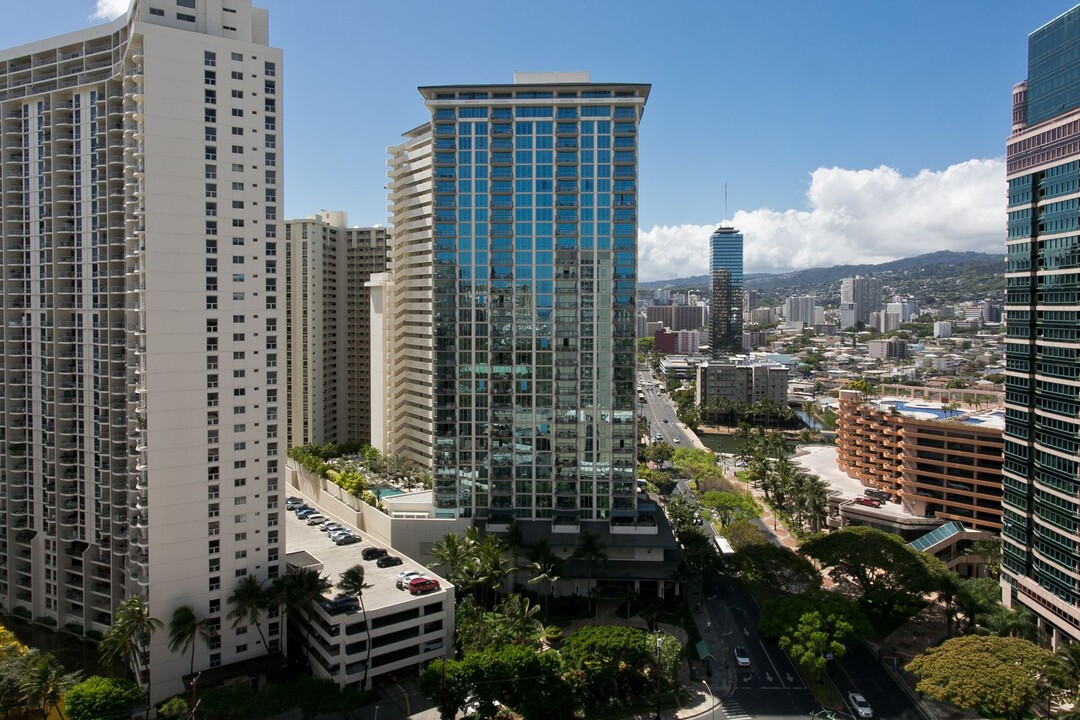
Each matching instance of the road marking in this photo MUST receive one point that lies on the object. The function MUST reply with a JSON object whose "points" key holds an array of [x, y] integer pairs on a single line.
{"points": [[733, 710], [769, 658]]}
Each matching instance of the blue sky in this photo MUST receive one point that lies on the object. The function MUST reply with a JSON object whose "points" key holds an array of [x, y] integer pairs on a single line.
{"points": [[833, 123]]}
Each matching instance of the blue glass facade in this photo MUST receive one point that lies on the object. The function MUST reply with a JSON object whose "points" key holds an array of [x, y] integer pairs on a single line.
{"points": [[1041, 469], [1054, 68], [535, 262], [726, 253]]}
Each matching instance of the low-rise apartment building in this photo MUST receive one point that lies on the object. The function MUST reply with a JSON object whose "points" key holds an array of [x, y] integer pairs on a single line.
{"points": [[935, 461], [741, 380]]}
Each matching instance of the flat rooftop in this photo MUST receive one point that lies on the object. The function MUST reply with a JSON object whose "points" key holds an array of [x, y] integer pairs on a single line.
{"points": [[820, 460], [927, 410], [336, 559]]}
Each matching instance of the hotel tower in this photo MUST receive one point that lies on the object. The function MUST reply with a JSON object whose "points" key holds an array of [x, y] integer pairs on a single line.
{"points": [[140, 186]]}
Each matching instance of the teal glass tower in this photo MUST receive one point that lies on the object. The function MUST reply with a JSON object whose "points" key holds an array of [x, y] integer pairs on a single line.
{"points": [[1041, 493], [726, 253], [534, 203]]}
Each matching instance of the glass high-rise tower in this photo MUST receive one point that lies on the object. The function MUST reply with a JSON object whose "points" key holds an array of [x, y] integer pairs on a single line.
{"points": [[511, 298], [726, 253], [1041, 498], [726, 300]]}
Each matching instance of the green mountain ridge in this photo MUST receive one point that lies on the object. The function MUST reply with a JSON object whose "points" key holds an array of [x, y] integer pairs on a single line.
{"points": [[929, 264]]}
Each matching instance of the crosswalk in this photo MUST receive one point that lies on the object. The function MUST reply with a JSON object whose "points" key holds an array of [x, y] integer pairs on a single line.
{"points": [[733, 710]]}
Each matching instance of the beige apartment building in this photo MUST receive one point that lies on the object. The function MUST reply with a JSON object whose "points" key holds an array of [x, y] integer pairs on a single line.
{"points": [[328, 328], [948, 468], [140, 184]]}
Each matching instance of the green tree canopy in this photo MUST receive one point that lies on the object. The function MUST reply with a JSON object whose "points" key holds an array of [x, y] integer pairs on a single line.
{"points": [[783, 615], [776, 567], [99, 697], [731, 506], [887, 574], [995, 676]]}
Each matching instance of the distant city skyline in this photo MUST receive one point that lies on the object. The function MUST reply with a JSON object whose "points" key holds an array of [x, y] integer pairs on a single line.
{"points": [[826, 160]]}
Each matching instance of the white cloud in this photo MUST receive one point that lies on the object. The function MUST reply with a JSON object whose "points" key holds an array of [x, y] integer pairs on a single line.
{"points": [[109, 9], [854, 216]]}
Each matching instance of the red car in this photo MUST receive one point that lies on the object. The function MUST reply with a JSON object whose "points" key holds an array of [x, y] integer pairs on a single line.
{"points": [[420, 585]]}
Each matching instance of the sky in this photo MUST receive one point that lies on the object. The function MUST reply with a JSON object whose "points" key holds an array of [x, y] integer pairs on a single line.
{"points": [[844, 131]]}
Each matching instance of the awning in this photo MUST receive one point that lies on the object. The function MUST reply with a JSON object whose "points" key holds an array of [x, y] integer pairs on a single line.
{"points": [[703, 650]]}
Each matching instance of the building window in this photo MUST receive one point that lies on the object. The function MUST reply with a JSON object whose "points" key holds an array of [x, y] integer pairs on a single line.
{"points": [[185, 17], [238, 57], [158, 12], [189, 4], [209, 58]]}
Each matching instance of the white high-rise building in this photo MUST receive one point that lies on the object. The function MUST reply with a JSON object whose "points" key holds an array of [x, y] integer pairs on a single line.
{"points": [[859, 296], [139, 193]]}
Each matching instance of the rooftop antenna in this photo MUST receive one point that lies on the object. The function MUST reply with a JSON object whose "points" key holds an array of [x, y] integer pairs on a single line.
{"points": [[725, 201]]}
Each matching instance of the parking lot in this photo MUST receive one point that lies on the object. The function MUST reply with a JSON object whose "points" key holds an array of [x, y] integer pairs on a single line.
{"points": [[335, 559]]}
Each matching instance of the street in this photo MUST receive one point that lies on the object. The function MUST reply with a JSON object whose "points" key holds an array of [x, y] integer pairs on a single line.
{"points": [[770, 688]]}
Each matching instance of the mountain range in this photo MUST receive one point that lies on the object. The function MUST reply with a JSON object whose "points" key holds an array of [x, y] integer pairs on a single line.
{"points": [[928, 265]]}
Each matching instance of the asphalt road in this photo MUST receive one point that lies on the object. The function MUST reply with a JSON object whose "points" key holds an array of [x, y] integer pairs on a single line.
{"points": [[770, 689], [658, 408]]}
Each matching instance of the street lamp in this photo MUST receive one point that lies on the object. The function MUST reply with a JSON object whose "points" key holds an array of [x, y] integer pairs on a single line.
{"points": [[659, 642], [712, 700]]}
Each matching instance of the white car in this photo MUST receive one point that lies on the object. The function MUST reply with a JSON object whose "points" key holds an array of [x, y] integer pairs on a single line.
{"points": [[742, 658], [860, 706], [405, 576]]}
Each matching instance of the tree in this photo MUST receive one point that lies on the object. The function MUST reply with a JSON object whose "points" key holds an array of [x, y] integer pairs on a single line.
{"points": [[520, 616], [590, 549], [731, 506], [815, 640], [301, 589], [545, 569], [887, 574], [352, 582], [776, 567], [451, 552], [127, 642], [184, 628], [989, 550], [176, 707], [742, 533], [45, 683], [842, 619], [96, 698], [248, 600], [995, 676]]}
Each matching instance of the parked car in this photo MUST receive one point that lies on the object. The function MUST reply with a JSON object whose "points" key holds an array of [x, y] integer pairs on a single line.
{"points": [[315, 519], [346, 540], [293, 502], [860, 706], [388, 561], [305, 511], [420, 585], [405, 576], [742, 658], [340, 604], [373, 553], [331, 525], [340, 531]]}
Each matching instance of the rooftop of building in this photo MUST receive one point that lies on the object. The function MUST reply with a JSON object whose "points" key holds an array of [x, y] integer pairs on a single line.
{"points": [[821, 460], [306, 544], [933, 411]]}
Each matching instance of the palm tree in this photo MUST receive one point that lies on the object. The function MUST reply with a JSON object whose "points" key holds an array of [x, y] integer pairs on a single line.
{"points": [[45, 683], [1012, 622], [590, 549], [815, 501], [248, 600], [515, 540], [489, 554], [127, 642], [184, 627], [452, 551], [520, 616], [304, 587], [545, 569], [351, 582]]}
